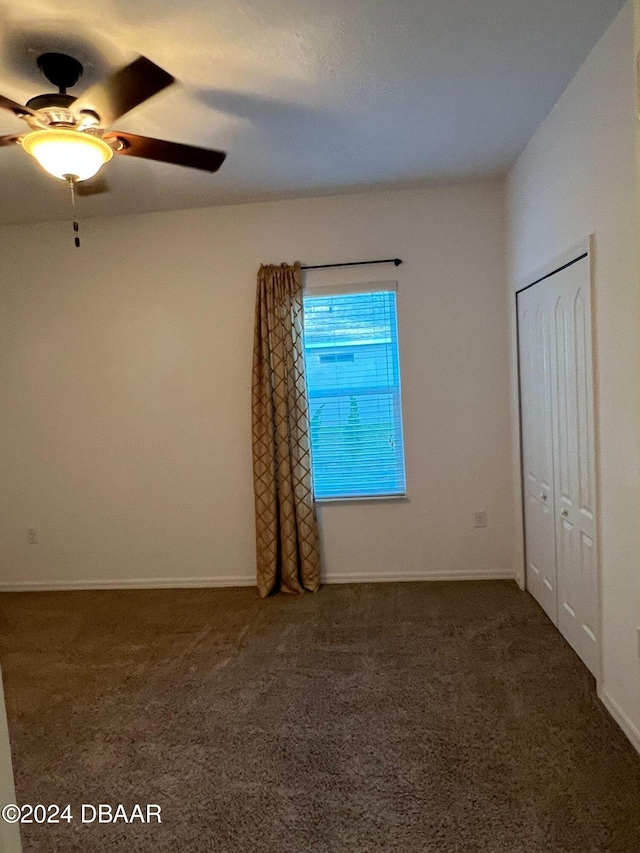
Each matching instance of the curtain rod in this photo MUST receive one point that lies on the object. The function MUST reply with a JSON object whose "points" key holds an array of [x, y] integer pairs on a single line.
{"points": [[395, 261]]}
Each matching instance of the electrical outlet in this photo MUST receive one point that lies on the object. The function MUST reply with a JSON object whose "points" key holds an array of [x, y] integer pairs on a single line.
{"points": [[32, 536], [481, 518]]}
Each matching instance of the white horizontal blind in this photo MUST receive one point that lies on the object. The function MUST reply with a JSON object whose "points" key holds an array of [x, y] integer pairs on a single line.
{"points": [[353, 380]]}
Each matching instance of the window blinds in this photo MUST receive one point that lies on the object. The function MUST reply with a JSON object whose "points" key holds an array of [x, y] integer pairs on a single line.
{"points": [[353, 380]]}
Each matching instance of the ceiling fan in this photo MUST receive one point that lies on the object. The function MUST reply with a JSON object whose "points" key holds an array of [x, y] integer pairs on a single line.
{"points": [[68, 135]]}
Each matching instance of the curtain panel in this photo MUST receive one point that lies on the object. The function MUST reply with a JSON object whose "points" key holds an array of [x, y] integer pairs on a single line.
{"points": [[286, 524]]}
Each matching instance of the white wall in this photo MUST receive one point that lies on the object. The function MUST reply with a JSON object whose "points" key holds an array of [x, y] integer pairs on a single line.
{"points": [[578, 177], [125, 389]]}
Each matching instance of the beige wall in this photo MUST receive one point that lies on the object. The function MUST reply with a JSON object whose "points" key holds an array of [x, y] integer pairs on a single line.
{"points": [[578, 177], [125, 387]]}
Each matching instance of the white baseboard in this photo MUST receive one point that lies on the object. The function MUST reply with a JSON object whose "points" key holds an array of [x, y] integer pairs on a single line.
{"points": [[240, 580], [620, 717], [127, 583], [406, 577]]}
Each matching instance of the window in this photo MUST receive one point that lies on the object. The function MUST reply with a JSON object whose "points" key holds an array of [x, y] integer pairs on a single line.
{"points": [[353, 380]]}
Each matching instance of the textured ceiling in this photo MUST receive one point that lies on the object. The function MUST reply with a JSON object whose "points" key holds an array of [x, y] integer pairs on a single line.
{"points": [[307, 96]]}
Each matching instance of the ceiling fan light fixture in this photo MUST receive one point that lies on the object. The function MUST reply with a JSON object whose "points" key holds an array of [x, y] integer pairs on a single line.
{"points": [[65, 153]]}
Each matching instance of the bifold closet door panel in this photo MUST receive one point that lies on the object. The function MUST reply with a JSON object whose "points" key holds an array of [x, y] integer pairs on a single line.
{"points": [[534, 333], [574, 461]]}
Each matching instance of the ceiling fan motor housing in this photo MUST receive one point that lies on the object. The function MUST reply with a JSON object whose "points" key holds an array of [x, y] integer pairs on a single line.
{"points": [[55, 108]]}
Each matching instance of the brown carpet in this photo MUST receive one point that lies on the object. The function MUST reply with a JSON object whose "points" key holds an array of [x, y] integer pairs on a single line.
{"points": [[390, 718]]}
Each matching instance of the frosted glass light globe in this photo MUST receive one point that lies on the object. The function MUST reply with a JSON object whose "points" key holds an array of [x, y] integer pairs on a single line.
{"points": [[67, 152]]}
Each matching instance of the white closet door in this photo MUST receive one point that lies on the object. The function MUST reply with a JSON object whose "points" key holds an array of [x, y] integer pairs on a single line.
{"points": [[558, 454], [534, 323], [574, 461]]}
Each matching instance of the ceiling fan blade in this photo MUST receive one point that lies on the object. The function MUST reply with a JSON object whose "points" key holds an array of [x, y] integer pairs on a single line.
{"points": [[124, 90], [94, 186], [209, 160], [9, 140], [14, 107]]}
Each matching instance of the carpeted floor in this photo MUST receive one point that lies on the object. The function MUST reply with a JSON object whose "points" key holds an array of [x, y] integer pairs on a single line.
{"points": [[390, 718]]}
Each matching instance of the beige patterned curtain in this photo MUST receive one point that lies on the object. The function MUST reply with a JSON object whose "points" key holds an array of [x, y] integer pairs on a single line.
{"points": [[286, 525]]}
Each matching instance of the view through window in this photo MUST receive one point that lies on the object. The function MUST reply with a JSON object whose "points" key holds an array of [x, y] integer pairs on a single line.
{"points": [[353, 379]]}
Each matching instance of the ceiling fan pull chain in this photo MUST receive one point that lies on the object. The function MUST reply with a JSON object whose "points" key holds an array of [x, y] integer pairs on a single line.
{"points": [[76, 227]]}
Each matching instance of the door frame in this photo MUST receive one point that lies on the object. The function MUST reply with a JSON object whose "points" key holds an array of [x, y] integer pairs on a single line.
{"points": [[583, 250], [9, 832]]}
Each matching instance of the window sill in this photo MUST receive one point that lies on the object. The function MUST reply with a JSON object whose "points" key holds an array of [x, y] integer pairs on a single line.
{"points": [[364, 499]]}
